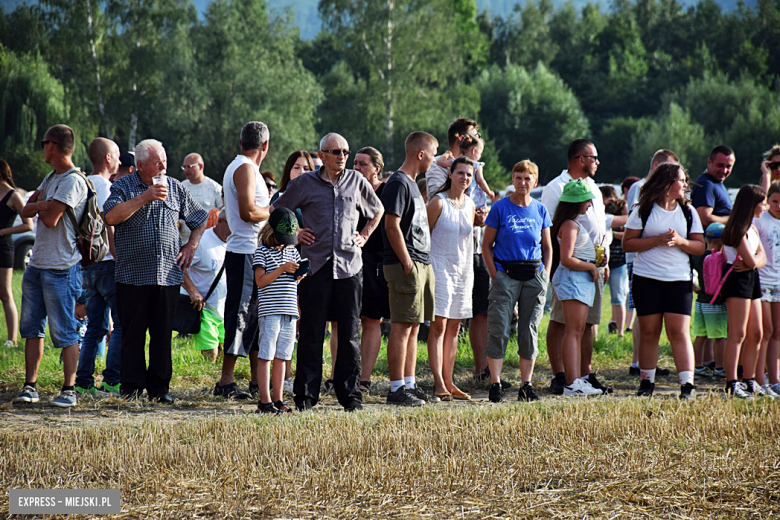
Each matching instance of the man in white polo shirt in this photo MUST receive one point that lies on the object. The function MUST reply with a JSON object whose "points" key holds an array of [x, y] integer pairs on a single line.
{"points": [[583, 161]]}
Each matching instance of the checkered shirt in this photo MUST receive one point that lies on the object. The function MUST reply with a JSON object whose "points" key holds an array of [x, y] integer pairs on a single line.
{"points": [[147, 243]]}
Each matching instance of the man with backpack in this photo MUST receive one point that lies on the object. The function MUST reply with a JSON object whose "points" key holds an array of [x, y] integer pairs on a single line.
{"points": [[52, 282], [99, 286]]}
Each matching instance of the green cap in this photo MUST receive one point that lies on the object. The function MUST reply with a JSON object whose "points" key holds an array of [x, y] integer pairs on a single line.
{"points": [[285, 226], [576, 191]]}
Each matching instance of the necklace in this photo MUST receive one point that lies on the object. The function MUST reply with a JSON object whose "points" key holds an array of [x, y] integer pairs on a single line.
{"points": [[454, 204]]}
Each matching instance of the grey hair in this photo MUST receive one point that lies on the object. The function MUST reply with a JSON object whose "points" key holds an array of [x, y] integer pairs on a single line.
{"points": [[324, 140], [144, 148], [254, 135]]}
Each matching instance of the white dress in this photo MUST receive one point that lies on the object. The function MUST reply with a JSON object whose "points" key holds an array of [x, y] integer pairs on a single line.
{"points": [[452, 258]]}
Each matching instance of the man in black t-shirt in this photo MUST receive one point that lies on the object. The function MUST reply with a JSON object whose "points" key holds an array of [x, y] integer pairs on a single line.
{"points": [[407, 267]]}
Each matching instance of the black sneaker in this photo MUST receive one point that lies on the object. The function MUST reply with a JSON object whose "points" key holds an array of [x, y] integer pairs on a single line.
{"points": [[634, 371], [527, 393], [688, 392], [231, 391], [303, 405], [612, 327], [282, 407], [482, 376], [662, 372], [402, 397], [354, 406], [496, 394], [418, 392], [267, 408], [254, 390], [595, 383], [645, 388], [558, 383], [506, 385]]}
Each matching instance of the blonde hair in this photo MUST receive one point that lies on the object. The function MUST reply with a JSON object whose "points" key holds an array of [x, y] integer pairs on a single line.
{"points": [[265, 233], [526, 166]]}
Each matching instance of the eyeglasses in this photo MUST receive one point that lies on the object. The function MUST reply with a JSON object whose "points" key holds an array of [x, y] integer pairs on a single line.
{"points": [[773, 165], [44, 143], [337, 153], [270, 186], [594, 157]]}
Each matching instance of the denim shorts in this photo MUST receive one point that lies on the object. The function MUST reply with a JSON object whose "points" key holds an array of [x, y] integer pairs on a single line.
{"points": [[277, 336], [618, 285], [51, 293], [770, 293], [574, 285]]}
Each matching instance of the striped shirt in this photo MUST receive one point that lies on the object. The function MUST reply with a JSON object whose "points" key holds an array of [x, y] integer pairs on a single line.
{"points": [[281, 295]]}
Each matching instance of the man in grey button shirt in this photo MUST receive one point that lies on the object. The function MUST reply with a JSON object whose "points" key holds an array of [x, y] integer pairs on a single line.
{"points": [[331, 200]]}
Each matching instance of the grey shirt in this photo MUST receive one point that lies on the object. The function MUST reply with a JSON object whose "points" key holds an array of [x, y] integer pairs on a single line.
{"points": [[55, 248], [332, 212]]}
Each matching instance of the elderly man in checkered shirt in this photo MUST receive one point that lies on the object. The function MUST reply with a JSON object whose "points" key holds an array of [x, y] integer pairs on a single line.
{"points": [[145, 208]]}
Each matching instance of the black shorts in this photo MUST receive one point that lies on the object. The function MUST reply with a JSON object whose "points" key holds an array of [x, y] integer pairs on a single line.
{"points": [[745, 284], [6, 252], [481, 290], [657, 297], [376, 295]]}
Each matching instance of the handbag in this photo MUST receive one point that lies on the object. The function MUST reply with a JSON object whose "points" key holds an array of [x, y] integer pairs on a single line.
{"points": [[521, 270], [187, 319]]}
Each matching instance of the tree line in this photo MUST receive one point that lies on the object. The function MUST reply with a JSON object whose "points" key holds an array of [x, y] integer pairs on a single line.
{"points": [[643, 75]]}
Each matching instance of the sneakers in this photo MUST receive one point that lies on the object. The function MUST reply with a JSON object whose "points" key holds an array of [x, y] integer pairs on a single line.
{"points": [[661, 372], [231, 391], [558, 383], [645, 388], [719, 373], [595, 383], [702, 372], [580, 387], [775, 388], [688, 392], [403, 397], [418, 392], [634, 371], [770, 393], [111, 389], [9, 344], [66, 399], [496, 394], [735, 389], [527, 393], [29, 394], [91, 391], [288, 385], [612, 327], [754, 388], [268, 408]]}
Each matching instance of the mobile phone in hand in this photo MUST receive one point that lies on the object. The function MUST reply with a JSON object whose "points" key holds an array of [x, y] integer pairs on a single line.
{"points": [[304, 266]]}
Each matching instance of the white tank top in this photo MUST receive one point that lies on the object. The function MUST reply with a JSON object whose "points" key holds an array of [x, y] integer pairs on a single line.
{"points": [[583, 246], [243, 236], [753, 240]]}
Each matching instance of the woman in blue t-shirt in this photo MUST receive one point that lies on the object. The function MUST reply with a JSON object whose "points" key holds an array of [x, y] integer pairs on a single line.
{"points": [[518, 254]]}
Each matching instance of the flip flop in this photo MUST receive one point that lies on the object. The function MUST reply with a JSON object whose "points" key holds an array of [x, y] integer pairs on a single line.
{"points": [[444, 396], [460, 396]]}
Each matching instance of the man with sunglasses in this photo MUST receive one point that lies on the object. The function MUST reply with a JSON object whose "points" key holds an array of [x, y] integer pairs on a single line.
{"points": [[583, 161], [206, 191], [710, 196], [52, 281], [331, 200]]}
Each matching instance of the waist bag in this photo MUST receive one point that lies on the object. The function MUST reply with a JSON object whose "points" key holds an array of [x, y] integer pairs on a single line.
{"points": [[522, 270]]}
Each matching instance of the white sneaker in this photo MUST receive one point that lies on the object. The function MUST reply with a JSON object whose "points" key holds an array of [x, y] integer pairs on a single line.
{"points": [[581, 388], [9, 344], [288, 385], [770, 393], [775, 388]]}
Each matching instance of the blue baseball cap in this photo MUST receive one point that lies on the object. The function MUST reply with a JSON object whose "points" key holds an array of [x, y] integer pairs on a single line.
{"points": [[714, 230]]}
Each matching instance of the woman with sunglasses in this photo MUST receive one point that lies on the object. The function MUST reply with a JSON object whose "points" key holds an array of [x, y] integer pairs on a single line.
{"points": [[770, 167]]}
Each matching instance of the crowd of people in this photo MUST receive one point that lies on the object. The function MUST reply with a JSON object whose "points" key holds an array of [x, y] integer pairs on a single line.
{"points": [[271, 268]]}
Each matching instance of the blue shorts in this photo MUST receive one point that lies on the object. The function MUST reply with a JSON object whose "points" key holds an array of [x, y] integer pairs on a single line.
{"points": [[51, 293], [618, 285], [574, 285]]}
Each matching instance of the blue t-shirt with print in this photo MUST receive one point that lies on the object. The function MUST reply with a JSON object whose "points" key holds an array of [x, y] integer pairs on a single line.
{"points": [[519, 230], [712, 194]]}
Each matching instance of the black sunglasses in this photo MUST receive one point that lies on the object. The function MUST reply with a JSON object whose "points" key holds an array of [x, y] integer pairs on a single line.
{"points": [[338, 152], [44, 143], [773, 165], [594, 157], [270, 186]]}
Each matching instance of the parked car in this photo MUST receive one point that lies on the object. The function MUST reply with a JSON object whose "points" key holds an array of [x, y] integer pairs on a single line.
{"points": [[24, 242]]}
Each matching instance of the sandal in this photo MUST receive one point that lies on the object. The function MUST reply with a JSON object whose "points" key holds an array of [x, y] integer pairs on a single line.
{"points": [[460, 396], [365, 387], [328, 385], [444, 396]]}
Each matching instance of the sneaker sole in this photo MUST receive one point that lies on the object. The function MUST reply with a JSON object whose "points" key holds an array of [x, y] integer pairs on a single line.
{"points": [[63, 405], [393, 403], [27, 399]]}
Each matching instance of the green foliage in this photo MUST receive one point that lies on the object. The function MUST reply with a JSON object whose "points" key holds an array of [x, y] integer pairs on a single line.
{"points": [[530, 114]]}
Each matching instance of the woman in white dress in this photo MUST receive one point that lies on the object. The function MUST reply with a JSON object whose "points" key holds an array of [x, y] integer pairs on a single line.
{"points": [[451, 217]]}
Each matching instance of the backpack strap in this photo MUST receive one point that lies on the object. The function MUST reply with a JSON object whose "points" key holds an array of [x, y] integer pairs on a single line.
{"points": [[90, 193]]}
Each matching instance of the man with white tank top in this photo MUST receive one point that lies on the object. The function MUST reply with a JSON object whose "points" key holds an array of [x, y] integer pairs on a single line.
{"points": [[246, 207]]}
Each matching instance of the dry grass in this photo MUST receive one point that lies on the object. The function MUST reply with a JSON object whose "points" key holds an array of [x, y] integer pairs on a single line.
{"points": [[600, 458]]}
